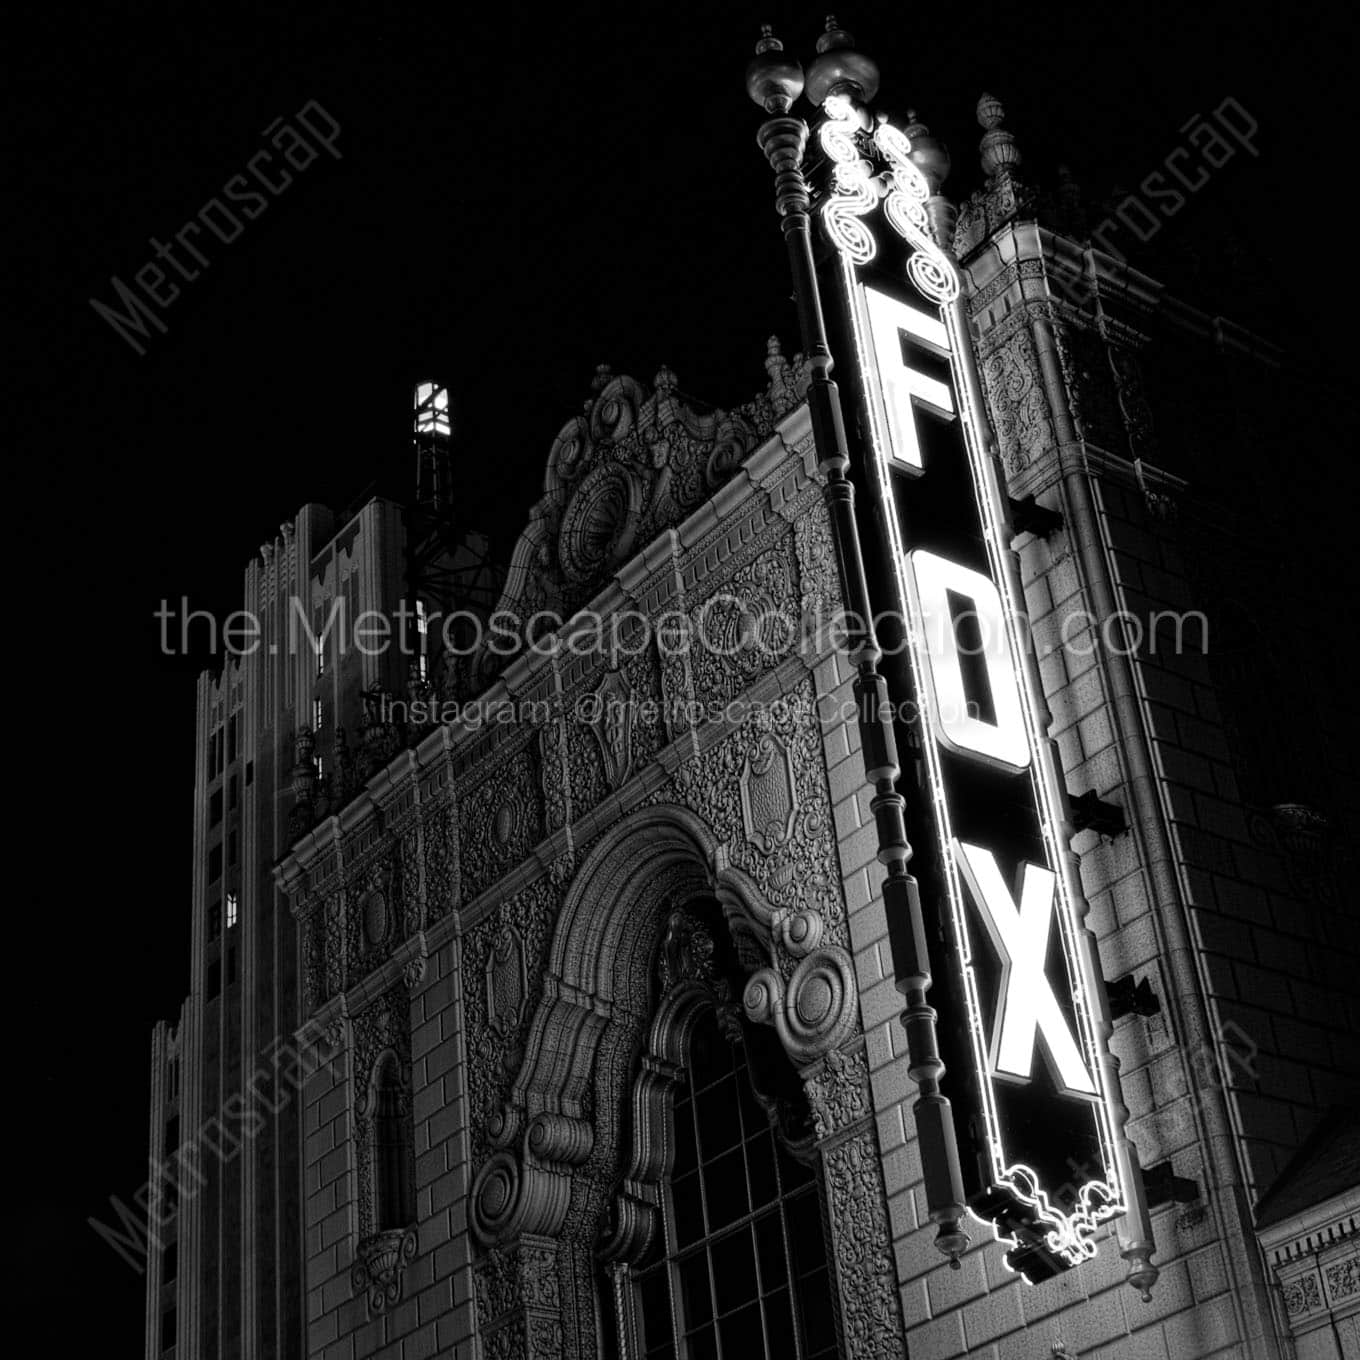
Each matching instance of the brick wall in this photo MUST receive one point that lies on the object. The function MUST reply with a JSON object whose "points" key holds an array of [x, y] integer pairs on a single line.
{"points": [[434, 1316], [983, 1309]]}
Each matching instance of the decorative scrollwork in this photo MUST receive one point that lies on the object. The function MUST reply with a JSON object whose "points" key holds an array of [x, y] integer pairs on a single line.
{"points": [[379, 1265], [814, 1011]]}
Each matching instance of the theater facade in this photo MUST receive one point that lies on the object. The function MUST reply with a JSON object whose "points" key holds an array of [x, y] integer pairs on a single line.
{"points": [[697, 975]]}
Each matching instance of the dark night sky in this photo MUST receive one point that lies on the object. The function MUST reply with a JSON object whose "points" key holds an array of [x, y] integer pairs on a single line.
{"points": [[517, 200]]}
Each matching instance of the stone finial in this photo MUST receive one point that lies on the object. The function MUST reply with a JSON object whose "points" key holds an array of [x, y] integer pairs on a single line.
{"points": [[666, 381], [999, 153], [928, 154], [603, 373]]}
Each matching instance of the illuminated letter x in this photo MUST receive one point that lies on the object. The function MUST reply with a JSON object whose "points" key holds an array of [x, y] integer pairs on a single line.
{"points": [[1026, 1005]]}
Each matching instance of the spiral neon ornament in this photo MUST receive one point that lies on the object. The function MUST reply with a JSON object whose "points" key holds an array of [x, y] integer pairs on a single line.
{"points": [[929, 268], [854, 190]]}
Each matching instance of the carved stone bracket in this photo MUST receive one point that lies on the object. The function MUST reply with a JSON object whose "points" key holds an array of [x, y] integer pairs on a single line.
{"points": [[814, 1011], [379, 1267]]}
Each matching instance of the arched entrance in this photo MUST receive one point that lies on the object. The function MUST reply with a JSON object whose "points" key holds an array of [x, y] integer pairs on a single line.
{"points": [[656, 931]]}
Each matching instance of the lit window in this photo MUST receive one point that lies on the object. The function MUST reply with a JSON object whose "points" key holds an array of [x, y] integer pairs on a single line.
{"points": [[320, 656], [743, 1269], [316, 715], [231, 910], [432, 409], [423, 666]]}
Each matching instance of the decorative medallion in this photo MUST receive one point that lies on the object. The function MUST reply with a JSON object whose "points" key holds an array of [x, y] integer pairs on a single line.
{"points": [[612, 724], [377, 920], [506, 986], [769, 801]]}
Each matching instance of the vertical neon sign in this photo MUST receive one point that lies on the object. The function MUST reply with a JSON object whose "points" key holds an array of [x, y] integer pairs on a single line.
{"points": [[1044, 1122]]}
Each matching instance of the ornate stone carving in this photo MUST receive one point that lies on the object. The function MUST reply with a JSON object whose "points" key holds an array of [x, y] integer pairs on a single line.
{"points": [[519, 1301], [502, 820], [373, 926], [1017, 402], [1089, 379], [413, 972], [379, 1265], [686, 955], [769, 801], [1005, 195], [1128, 378], [336, 1032], [408, 884], [506, 986], [820, 597], [600, 522], [610, 733], [866, 1278], [801, 874], [440, 841], [1343, 1279], [1302, 1295], [323, 952], [632, 465], [838, 1091], [612, 724], [814, 1011], [788, 380], [746, 626], [499, 997]]}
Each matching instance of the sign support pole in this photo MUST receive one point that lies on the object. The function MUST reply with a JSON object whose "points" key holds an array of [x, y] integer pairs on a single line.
{"points": [[774, 82]]}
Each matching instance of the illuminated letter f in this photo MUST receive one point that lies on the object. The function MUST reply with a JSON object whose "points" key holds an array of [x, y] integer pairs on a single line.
{"points": [[1025, 1005]]}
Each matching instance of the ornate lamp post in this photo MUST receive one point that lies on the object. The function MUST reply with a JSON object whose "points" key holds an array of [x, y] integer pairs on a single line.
{"points": [[775, 81]]}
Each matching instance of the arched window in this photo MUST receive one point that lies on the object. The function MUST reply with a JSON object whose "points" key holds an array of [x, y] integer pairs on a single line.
{"points": [[742, 1270], [394, 1191]]}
